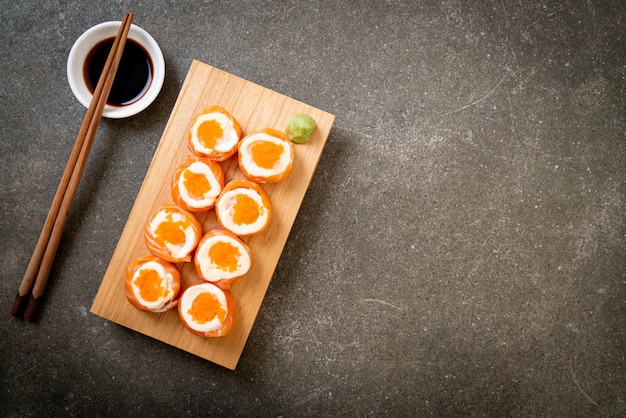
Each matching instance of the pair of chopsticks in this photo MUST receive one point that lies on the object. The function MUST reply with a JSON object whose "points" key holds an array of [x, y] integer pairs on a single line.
{"points": [[31, 289]]}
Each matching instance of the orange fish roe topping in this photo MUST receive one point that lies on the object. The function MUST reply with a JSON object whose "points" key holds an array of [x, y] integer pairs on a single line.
{"points": [[196, 184], [171, 231], [150, 285], [209, 132], [245, 210], [225, 255], [266, 153], [205, 307]]}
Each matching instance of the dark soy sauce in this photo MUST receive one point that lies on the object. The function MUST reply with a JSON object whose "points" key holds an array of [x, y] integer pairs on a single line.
{"points": [[133, 76]]}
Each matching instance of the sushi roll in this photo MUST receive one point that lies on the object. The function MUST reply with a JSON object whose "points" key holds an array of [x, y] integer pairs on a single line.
{"points": [[266, 156], [214, 134], [172, 233], [206, 310], [222, 258], [152, 284], [197, 183], [243, 208]]}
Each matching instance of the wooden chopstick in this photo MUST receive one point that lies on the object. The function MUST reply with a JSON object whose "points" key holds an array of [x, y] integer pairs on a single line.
{"points": [[35, 278]]}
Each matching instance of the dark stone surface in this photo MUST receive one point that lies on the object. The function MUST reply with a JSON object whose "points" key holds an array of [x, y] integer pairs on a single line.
{"points": [[461, 249]]}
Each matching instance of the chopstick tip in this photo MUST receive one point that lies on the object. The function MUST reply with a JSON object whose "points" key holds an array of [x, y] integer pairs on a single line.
{"points": [[32, 309], [19, 305]]}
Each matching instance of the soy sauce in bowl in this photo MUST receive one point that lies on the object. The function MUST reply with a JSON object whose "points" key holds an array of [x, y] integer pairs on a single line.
{"points": [[133, 76]]}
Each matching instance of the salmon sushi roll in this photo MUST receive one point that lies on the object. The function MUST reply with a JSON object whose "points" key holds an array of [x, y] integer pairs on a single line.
{"points": [[214, 134], [222, 258], [266, 156], [206, 310], [197, 183], [243, 208], [172, 233], [152, 284]]}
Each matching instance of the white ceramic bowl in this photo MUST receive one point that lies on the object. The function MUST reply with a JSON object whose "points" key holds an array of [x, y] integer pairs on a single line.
{"points": [[88, 40]]}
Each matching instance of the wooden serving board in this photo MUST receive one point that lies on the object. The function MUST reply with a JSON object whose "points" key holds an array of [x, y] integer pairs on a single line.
{"points": [[254, 107]]}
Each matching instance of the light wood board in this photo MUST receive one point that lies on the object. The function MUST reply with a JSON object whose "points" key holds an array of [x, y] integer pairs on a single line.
{"points": [[255, 107]]}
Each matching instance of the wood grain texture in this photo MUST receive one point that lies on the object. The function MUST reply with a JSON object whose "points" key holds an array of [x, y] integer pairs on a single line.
{"points": [[255, 107]]}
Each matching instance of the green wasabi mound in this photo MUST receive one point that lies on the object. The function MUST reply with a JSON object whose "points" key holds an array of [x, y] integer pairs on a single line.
{"points": [[300, 127]]}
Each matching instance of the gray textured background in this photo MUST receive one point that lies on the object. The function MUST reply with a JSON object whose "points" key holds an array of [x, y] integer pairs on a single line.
{"points": [[461, 249]]}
